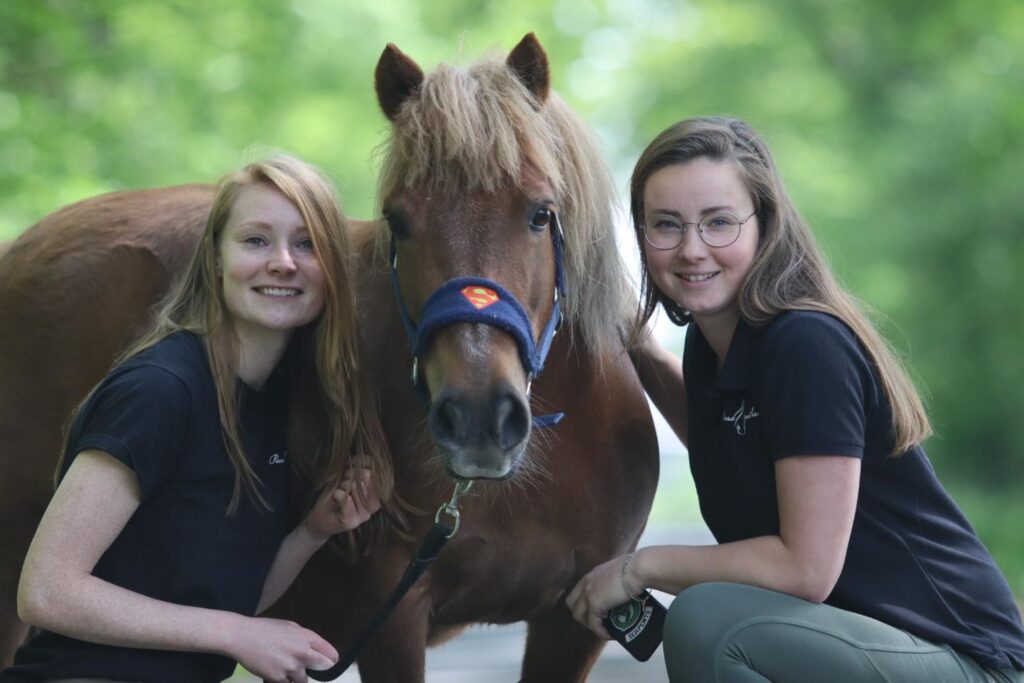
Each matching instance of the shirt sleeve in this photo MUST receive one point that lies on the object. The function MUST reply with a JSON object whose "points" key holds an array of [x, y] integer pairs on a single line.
{"points": [[818, 389], [139, 415]]}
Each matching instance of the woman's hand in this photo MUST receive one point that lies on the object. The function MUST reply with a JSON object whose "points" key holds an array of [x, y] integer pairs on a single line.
{"points": [[596, 593], [342, 507], [347, 505], [278, 651]]}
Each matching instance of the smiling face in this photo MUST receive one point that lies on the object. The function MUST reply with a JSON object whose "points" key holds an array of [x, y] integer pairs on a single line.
{"points": [[702, 280], [271, 277]]}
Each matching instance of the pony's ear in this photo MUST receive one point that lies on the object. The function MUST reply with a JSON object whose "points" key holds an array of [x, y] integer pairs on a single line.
{"points": [[396, 79], [530, 63]]}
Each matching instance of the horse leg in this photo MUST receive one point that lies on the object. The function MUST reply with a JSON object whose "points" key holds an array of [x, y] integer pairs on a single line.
{"points": [[12, 630], [558, 649], [25, 471], [336, 600], [399, 650]]}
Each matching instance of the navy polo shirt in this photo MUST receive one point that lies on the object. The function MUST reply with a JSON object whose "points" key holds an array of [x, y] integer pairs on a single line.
{"points": [[803, 385], [158, 414]]}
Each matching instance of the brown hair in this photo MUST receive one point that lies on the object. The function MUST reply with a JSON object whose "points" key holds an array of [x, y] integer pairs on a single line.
{"points": [[332, 414], [788, 271]]}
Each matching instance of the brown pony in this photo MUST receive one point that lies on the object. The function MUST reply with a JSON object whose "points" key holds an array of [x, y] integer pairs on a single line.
{"points": [[479, 163]]}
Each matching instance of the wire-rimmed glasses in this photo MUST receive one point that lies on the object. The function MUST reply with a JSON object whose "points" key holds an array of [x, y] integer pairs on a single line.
{"points": [[719, 229]]}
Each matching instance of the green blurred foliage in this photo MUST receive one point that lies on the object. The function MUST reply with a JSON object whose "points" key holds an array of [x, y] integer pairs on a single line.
{"points": [[898, 125]]}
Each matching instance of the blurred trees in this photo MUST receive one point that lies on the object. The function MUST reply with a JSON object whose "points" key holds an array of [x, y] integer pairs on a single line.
{"points": [[898, 126]]}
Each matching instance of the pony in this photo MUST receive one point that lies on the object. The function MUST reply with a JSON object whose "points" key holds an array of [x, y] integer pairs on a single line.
{"points": [[489, 182]]}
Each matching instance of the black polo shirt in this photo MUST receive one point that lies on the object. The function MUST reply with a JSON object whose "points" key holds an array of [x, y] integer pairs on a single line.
{"points": [[158, 414], [803, 385]]}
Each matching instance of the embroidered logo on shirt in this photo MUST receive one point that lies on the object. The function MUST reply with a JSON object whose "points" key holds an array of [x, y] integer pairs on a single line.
{"points": [[740, 417], [276, 459]]}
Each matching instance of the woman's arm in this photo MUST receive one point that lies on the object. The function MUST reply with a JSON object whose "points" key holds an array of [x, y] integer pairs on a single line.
{"points": [[817, 499], [338, 509], [661, 373], [58, 592]]}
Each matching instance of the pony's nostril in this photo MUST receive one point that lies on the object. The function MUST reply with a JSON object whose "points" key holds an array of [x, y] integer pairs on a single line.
{"points": [[511, 422], [448, 421], [452, 416], [502, 411]]}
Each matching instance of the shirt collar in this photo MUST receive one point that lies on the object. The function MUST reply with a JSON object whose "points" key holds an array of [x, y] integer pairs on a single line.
{"points": [[738, 371]]}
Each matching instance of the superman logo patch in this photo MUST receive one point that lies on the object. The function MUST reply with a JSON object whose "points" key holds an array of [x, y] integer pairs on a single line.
{"points": [[480, 297]]}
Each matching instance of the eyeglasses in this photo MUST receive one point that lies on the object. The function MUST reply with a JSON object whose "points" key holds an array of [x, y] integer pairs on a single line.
{"points": [[719, 229]]}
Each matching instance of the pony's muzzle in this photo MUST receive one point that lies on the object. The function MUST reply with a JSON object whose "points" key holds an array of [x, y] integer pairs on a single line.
{"points": [[480, 437]]}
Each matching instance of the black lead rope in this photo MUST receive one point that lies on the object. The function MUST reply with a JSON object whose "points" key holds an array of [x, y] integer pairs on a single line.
{"points": [[424, 557], [428, 551]]}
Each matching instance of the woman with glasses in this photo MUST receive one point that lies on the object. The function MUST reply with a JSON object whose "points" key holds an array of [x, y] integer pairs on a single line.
{"points": [[840, 556]]}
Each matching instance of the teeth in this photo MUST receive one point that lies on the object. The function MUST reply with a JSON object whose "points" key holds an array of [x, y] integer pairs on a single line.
{"points": [[278, 291], [698, 278]]}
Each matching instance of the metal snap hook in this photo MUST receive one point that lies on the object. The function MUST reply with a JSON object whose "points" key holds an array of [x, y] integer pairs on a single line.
{"points": [[451, 508]]}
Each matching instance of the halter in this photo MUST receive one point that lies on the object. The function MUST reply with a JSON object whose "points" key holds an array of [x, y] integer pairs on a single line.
{"points": [[482, 300]]}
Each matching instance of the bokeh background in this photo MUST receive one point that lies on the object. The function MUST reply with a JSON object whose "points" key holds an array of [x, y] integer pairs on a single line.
{"points": [[898, 125]]}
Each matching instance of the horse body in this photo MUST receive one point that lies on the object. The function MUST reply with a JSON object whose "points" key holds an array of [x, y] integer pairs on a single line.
{"points": [[74, 289], [549, 504]]}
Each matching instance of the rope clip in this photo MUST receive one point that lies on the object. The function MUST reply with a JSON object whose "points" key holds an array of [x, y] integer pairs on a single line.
{"points": [[451, 508]]}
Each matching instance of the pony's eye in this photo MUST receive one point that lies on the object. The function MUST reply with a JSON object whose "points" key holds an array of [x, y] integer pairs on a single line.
{"points": [[397, 224], [541, 218]]}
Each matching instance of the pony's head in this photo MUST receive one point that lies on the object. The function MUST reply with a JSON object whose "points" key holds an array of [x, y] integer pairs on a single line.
{"points": [[482, 166]]}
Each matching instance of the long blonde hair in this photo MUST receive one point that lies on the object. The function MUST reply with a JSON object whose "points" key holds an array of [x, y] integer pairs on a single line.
{"points": [[788, 271], [332, 414]]}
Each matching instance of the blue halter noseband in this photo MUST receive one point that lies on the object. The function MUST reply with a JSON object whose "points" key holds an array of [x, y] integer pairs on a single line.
{"points": [[484, 301]]}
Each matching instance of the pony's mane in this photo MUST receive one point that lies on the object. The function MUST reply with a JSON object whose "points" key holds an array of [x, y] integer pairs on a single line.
{"points": [[474, 128]]}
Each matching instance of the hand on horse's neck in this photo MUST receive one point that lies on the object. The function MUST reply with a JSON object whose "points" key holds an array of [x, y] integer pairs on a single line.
{"points": [[258, 355]]}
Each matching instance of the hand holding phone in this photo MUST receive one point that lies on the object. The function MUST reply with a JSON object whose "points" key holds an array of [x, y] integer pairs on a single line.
{"points": [[638, 625]]}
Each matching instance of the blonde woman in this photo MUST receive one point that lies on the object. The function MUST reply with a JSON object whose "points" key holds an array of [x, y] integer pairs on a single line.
{"points": [[840, 556], [170, 526]]}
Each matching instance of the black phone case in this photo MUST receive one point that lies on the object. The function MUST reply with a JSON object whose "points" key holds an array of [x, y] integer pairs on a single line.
{"points": [[637, 624]]}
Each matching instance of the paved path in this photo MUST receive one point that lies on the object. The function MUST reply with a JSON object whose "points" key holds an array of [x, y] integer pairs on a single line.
{"points": [[493, 653]]}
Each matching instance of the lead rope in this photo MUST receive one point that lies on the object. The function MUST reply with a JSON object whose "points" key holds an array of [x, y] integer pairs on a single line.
{"points": [[427, 553]]}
